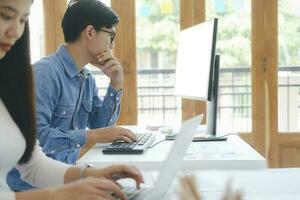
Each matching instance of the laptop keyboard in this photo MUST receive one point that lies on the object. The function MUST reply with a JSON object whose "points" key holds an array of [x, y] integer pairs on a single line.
{"points": [[144, 140]]}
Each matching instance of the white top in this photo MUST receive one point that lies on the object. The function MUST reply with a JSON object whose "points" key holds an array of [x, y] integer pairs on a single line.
{"points": [[39, 170]]}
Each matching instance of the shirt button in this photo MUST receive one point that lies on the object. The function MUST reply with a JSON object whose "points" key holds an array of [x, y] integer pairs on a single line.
{"points": [[76, 128], [78, 145], [52, 151], [111, 94], [64, 112], [118, 98]]}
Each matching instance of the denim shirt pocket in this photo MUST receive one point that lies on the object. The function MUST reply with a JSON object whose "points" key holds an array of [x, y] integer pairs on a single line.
{"points": [[62, 116], [64, 111]]}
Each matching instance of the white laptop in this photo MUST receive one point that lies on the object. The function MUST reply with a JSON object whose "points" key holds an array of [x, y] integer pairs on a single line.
{"points": [[172, 164]]}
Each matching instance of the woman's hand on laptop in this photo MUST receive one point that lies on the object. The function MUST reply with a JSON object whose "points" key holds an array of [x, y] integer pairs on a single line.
{"points": [[88, 188], [190, 190], [110, 134], [116, 172]]}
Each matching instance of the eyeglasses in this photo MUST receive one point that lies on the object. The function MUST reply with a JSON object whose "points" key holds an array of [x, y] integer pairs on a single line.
{"points": [[112, 34]]}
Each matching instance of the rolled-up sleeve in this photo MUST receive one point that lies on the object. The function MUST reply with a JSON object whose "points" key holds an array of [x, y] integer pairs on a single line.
{"points": [[106, 112], [42, 171]]}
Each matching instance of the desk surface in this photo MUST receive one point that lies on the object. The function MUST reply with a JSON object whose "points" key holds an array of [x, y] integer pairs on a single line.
{"points": [[268, 184], [265, 184], [231, 154]]}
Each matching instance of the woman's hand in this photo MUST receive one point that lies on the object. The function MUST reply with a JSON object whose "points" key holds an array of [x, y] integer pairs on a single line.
{"points": [[190, 190], [116, 172], [88, 188]]}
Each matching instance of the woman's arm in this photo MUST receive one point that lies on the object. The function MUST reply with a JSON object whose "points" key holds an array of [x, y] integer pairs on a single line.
{"points": [[46, 194], [89, 188], [42, 171]]}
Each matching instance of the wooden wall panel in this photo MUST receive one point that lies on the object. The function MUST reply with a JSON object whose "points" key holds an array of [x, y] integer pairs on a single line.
{"points": [[125, 51], [288, 150], [53, 14], [289, 156]]}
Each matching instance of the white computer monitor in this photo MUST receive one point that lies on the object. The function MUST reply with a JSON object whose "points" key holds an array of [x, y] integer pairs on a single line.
{"points": [[197, 69], [195, 61]]}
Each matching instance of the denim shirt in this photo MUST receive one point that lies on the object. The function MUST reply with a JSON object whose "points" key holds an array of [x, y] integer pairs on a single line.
{"points": [[67, 103]]}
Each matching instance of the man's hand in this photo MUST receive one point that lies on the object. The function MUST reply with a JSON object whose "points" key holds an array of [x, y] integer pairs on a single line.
{"points": [[110, 134], [105, 135], [112, 68]]}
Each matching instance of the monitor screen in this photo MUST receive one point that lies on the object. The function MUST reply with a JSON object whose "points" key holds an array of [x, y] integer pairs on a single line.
{"points": [[195, 61]]}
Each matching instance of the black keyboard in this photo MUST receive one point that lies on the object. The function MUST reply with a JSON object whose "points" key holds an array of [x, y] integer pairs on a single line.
{"points": [[144, 140]]}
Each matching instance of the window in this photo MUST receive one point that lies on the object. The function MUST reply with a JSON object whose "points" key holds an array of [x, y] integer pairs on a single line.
{"points": [[233, 44], [36, 24], [289, 65], [157, 28]]}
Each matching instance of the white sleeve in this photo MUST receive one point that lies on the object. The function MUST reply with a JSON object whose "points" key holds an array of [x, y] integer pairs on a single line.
{"points": [[42, 171]]}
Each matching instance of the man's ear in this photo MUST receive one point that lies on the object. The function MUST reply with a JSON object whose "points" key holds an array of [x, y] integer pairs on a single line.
{"points": [[89, 32]]}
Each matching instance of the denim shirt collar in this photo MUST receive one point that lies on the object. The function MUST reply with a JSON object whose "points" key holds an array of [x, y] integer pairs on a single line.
{"points": [[69, 64]]}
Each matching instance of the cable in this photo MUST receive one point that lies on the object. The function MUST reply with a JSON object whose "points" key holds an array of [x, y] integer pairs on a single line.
{"points": [[156, 144]]}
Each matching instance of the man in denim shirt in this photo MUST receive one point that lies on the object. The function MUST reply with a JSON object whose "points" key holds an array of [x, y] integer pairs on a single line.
{"points": [[67, 100]]}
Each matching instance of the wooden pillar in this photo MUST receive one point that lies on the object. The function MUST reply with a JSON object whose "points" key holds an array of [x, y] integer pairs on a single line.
{"points": [[199, 16], [53, 14], [258, 75], [271, 47], [264, 79], [191, 12], [125, 51]]}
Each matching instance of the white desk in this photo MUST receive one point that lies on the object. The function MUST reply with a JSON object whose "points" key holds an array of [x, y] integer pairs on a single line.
{"points": [[261, 184], [231, 154], [268, 184]]}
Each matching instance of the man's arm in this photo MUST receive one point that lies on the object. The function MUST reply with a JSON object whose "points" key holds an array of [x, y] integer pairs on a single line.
{"points": [[104, 113], [59, 144], [112, 68]]}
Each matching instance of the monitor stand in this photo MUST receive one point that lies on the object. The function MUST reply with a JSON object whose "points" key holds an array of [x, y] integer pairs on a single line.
{"points": [[212, 109], [210, 138], [210, 132]]}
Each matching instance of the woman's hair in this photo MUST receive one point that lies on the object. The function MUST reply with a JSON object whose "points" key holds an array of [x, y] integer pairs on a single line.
{"points": [[17, 92]]}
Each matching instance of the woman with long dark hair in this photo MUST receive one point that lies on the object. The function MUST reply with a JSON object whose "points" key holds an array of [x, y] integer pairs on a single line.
{"points": [[17, 126]]}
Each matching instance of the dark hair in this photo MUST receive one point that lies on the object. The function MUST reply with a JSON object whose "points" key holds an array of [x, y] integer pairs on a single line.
{"points": [[81, 13], [17, 92]]}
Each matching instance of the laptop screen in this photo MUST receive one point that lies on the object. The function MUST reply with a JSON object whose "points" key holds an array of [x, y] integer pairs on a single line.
{"points": [[174, 160]]}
